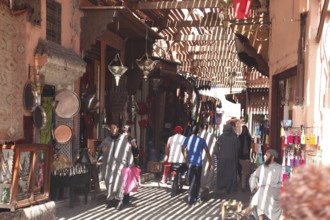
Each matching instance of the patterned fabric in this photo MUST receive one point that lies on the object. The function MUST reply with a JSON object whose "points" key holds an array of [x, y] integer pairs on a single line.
{"points": [[117, 156], [13, 73]]}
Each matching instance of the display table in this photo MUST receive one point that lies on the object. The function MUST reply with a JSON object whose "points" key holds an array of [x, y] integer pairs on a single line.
{"points": [[58, 182]]}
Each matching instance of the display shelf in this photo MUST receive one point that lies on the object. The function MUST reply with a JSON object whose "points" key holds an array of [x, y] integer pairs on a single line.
{"points": [[25, 175]]}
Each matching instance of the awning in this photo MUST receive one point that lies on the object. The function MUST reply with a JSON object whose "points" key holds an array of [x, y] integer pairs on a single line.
{"points": [[59, 65], [248, 55], [168, 69]]}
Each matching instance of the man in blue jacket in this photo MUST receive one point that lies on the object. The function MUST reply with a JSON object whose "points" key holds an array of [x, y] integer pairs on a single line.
{"points": [[192, 150]]}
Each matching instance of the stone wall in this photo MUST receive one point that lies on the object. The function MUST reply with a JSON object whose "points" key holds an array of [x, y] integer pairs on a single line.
{"points": [[12, 73]]}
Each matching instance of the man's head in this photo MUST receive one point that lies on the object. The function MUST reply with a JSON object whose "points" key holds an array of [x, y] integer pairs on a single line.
{"points": [[114, 130], [195, 129], [245, 130], [126, 128], [270, 156], [178, 130]]}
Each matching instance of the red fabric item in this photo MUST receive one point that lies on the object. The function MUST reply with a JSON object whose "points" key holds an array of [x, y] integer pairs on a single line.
{"points": [[142, 108], [242, 8], [167, 167], [143, 123], [130, 177]]}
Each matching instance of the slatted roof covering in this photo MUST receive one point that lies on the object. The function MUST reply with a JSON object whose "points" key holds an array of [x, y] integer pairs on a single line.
{"points": [[200, 34]]}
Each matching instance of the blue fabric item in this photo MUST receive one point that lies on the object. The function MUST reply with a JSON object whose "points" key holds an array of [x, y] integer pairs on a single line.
{"points": [[195, 146]]}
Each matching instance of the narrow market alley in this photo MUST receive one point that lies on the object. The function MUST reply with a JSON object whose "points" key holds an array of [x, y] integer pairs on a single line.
{"points": [[152, 201]]}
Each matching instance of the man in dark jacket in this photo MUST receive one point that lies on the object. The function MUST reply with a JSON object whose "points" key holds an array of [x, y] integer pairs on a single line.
{"points": [[245, 165], [227, 156]]}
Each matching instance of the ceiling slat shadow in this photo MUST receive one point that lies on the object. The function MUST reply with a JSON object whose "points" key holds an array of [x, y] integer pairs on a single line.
{"points": [[201, 35]]}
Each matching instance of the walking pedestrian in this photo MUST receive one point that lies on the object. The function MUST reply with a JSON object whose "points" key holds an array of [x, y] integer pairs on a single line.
{"points": [[173, 151], [227, 157], [266, 183], [135, 152], [116, 155], [208, 178], [192, 150], [244, 166], [127, 131]]}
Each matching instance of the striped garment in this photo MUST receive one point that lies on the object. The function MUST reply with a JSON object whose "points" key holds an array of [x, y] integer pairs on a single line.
{"points": [[117, 156], [207, 177], [175, 142]]}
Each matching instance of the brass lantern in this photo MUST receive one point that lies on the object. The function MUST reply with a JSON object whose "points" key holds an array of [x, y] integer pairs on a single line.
{"points": [[119, 70]]}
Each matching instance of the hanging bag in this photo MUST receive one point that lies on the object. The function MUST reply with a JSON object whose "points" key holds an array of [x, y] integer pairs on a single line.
{"points": [[130, 177]]}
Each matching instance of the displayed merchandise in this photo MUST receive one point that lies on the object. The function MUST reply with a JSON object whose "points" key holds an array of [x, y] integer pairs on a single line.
{"points": [[300, 146], [24, 175]]}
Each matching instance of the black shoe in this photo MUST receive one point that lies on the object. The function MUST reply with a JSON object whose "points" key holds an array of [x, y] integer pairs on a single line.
{"points": [[126, 199], [119, 206], [111, 204]]}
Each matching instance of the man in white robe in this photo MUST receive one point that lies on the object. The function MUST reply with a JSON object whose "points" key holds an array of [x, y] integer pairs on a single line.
{"points": [[208, 177], [266, 183], [116, 155]]}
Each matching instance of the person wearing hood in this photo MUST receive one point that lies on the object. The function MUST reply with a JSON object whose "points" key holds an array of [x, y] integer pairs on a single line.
{"points": [[227, 156], [117, 154]]}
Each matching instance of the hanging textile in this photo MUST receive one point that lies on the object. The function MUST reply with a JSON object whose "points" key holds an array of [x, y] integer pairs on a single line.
{"points": [[242, 8], [46, 132]]}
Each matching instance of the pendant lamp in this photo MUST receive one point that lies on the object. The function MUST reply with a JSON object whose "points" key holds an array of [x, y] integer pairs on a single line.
{"points": [[118, 70], [145, 63]]}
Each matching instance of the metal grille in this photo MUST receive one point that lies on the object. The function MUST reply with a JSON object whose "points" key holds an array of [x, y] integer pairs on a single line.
{"points": [[53, 29], [65, 149]]}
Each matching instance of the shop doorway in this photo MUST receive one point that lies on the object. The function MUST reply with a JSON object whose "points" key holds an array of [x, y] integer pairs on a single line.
{"points": [[283, 98]]}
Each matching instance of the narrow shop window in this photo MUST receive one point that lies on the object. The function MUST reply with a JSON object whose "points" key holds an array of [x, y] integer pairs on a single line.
{"points": [[53, 30]]}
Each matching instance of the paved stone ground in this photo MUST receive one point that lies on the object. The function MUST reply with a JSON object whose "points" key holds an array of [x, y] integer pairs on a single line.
{"points": [[151, 201]]}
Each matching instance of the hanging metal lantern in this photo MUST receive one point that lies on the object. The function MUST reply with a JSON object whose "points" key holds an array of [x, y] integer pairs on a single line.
{"points": [[117, 71], [145, 63]]}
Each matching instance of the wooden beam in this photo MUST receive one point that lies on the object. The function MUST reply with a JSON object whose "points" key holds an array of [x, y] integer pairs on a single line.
{"points": [[207, 63], [112, 40], [168, 5], [210, 56], [86, 3], [210, 20], [213, 20], [204, 37], [322, 20], [219, 69], [218, 46]]}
